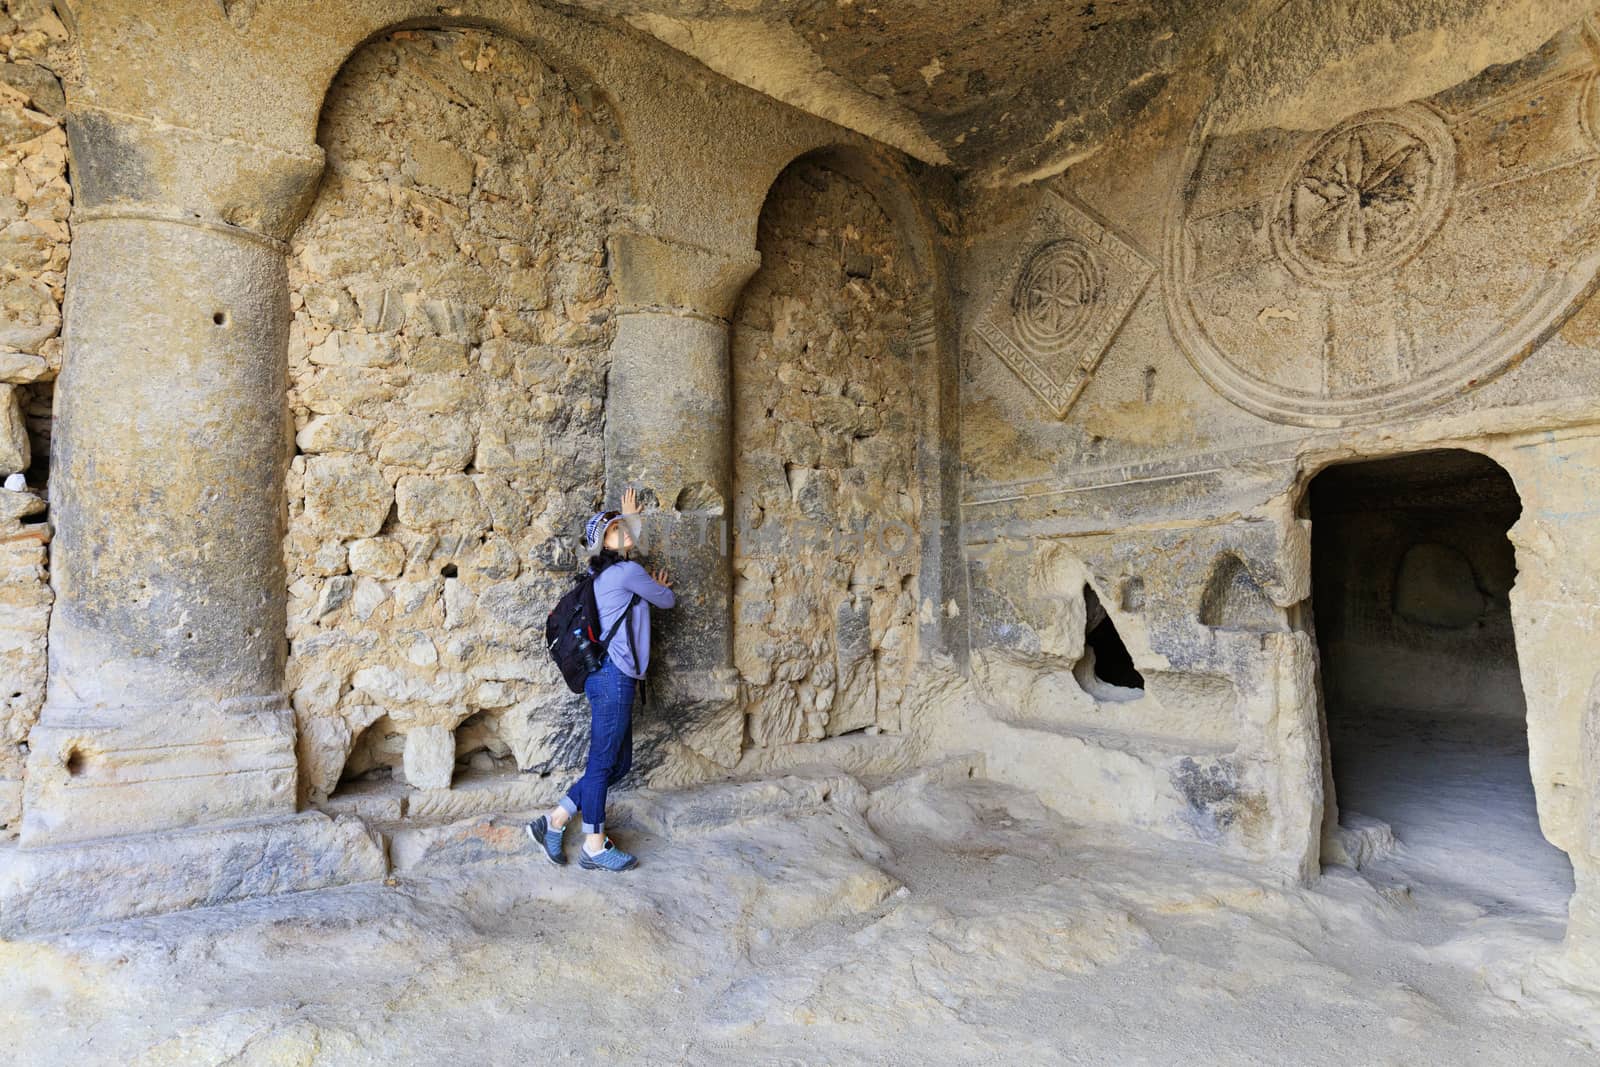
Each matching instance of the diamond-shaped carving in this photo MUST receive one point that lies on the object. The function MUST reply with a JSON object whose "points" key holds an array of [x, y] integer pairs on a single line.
{"points": [[1064, 298]]}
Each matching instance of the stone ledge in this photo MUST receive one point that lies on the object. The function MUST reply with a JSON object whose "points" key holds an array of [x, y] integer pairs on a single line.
{"points": [[470, 795], [413, 848], [63, 887]]}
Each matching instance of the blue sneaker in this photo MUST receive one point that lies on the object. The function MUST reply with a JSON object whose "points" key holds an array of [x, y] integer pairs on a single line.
{"points": [[610, 858], [548, 838]]}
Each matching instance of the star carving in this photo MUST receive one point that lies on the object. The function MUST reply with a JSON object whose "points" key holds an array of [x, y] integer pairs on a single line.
{"points": [[1360, 194]]}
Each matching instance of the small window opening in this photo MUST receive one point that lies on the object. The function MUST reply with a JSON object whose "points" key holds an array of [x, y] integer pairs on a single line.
{"points": [[1105, 657]]}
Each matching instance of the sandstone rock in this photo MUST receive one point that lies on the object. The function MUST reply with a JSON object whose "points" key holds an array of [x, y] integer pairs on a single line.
{"points": [[46, 889], [19, 504], [377, 557], [430, 757], [15, 449], [442, 166], [393, 687], [22, 367], [432, 502], [438, 355], [29, 315], [335, 433], [437, 443], [346, 496]]}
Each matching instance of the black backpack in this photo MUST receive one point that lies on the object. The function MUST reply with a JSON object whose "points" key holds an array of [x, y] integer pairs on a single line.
{"points": [[570, 632]]}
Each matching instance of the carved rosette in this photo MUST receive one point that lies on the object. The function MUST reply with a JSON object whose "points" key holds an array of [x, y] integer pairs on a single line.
{"points": [[1396, 260], [1065, 296]]}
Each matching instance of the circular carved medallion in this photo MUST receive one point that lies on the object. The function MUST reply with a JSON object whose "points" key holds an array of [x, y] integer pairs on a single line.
{"points": [[1392, 262], [1365, 196], [1055, 295]]}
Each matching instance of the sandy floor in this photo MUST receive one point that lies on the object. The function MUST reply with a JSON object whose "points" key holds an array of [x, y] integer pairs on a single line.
{"points": [[923, 923]]}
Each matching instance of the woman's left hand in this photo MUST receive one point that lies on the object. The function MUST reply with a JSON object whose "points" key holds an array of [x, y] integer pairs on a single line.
{"points": [[630, 501]]}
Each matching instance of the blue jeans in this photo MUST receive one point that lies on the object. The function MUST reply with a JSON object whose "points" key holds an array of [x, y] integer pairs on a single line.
{"points": [[610, 694]]}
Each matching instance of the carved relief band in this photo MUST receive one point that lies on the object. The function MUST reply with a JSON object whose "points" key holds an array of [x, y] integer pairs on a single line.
{"points": [[1061, 302], [1397, 259]]}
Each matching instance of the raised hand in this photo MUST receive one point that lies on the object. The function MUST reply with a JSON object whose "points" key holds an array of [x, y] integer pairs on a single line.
{"points": [[630, 501]]}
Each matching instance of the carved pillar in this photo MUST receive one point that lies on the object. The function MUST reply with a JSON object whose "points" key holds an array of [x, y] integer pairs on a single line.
{"points": [[165, 706], [669, 430]]}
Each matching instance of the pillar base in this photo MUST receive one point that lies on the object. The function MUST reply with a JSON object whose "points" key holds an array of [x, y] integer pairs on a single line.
{"points": [[64, 887], [109, 772]]}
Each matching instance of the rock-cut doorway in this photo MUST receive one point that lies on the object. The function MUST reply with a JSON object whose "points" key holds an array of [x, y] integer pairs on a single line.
{"points": [[1412, 571]]}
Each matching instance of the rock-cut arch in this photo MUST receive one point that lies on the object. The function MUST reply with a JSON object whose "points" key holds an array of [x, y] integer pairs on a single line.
{"points": [[447, 365]]}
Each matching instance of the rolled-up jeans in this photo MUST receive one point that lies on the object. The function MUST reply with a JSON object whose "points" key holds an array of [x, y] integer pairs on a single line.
{"points": [[610, 694]]}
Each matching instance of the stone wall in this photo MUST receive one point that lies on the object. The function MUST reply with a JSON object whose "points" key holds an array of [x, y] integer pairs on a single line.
{"points": [[827, 540], [35, 202], [448, 364]]}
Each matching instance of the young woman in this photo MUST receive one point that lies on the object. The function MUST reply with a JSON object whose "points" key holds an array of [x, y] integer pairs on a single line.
{"points": [[610, 689]]}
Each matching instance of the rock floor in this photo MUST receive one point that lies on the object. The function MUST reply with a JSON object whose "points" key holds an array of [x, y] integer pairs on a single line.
{"points": [[941, 919], [1459, 796]]}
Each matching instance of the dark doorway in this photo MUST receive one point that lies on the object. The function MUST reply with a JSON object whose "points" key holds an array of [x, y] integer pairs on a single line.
{"points": [[1411, 576]]}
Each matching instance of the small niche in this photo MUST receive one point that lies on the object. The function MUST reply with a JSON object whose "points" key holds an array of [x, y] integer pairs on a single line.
{"points": [[1234, 601], [1106, 671]]}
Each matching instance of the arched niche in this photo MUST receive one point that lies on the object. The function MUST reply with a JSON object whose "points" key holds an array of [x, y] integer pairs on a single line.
{"points": [[838, 410], [453, 314]]}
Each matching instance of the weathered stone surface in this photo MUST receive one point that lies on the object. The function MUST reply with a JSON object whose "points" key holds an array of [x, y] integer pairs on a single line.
{"points": [[441, 847], [824, 547], [423, 349], [451, 501], [379, 557], [15, 450], [22, 367], [64, 887], [430, 757], [19, 504], [1373, 231], [346, 496]]}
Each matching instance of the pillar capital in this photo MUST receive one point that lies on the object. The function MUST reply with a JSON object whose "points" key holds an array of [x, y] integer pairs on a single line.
{"points": [[128, 166], [656, 273]]}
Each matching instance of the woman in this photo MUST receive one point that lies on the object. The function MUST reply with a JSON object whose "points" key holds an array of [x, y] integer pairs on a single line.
{"points": [[610, 689]]}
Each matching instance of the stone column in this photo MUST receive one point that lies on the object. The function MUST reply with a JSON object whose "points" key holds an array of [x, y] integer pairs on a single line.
{"points": [[669, 430], [166, 704]]}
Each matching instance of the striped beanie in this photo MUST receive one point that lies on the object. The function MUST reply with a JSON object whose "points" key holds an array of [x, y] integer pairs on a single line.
{"points": [[594, 531]]}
